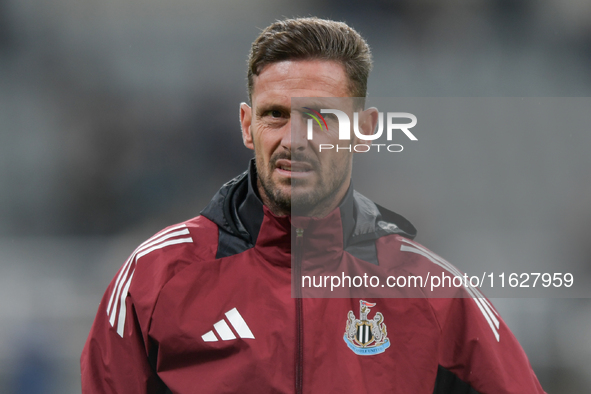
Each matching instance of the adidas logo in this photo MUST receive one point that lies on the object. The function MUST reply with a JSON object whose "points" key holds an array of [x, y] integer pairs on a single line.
{"points": [[224, 331]]}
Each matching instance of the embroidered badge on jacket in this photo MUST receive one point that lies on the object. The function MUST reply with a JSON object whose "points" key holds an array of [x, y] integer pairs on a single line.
{"points": [[366, 337]]}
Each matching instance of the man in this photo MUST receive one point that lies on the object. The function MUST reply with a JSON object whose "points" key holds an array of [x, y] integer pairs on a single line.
{"points": [[206, 306]]}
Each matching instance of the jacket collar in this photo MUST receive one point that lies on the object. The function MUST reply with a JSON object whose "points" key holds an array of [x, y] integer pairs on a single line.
{"points": [[240, 214]]}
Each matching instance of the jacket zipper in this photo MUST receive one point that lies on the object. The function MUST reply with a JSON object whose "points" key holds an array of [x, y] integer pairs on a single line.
{"points": [[299, 358]]}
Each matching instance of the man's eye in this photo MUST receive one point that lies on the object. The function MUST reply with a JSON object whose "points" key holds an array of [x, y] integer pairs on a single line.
{"points": [[275, 113]]}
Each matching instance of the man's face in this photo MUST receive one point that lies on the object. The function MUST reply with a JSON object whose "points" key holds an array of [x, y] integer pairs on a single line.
{"points": [[291, 170]]}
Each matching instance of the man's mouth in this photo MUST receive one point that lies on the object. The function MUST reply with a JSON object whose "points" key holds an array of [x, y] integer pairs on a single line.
{"points": [[295, 169], [292, 167]]}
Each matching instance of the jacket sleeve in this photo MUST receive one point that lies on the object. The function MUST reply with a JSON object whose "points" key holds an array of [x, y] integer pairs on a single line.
{"points": [[115, 356], [478, 354]]}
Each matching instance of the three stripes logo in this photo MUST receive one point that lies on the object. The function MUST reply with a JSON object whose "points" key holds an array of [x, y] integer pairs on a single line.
{"points": [[116, 308], [224, 331]]}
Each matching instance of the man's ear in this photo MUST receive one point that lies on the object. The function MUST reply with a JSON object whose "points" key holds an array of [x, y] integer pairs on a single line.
{"points": [[245, 123], [368, 120]]}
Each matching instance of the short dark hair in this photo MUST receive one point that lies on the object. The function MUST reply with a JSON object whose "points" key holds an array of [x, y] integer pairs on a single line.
{"points": [[312, 38]]}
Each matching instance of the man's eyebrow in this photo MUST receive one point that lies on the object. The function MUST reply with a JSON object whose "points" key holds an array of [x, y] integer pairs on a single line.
{"points": [[318, 104], [272, 107], [315, 105]]}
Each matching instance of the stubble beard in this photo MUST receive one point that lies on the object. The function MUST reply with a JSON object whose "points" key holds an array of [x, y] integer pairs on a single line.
{"points": [[312, 203]]}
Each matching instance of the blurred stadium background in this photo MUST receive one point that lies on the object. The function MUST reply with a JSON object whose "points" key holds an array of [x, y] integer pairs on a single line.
{"points": [[113, 115]]}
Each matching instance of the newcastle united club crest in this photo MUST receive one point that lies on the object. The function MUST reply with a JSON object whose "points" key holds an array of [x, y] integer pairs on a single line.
{"points": [[366, 337]]}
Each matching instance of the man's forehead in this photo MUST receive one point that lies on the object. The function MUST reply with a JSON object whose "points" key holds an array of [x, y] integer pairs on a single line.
{"points": [[300, 78]]}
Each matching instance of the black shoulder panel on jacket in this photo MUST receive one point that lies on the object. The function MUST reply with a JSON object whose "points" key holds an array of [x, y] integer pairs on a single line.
{"points": [[229, 244], [238, 213], [365, 221], [448, 383], [408, 230]]}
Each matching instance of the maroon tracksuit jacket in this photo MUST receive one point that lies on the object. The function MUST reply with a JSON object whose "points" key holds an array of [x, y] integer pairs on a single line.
{"points": [[206, 307]]}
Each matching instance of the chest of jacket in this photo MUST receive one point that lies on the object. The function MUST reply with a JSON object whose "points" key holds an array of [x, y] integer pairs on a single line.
{"points": [[231, 325]]}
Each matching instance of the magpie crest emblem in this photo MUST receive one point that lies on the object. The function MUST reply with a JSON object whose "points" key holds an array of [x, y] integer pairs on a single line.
{"points": [[364, 336]]}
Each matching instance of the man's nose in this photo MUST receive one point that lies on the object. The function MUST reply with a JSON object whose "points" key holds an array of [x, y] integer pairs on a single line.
{"points": [[297, 132]]}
